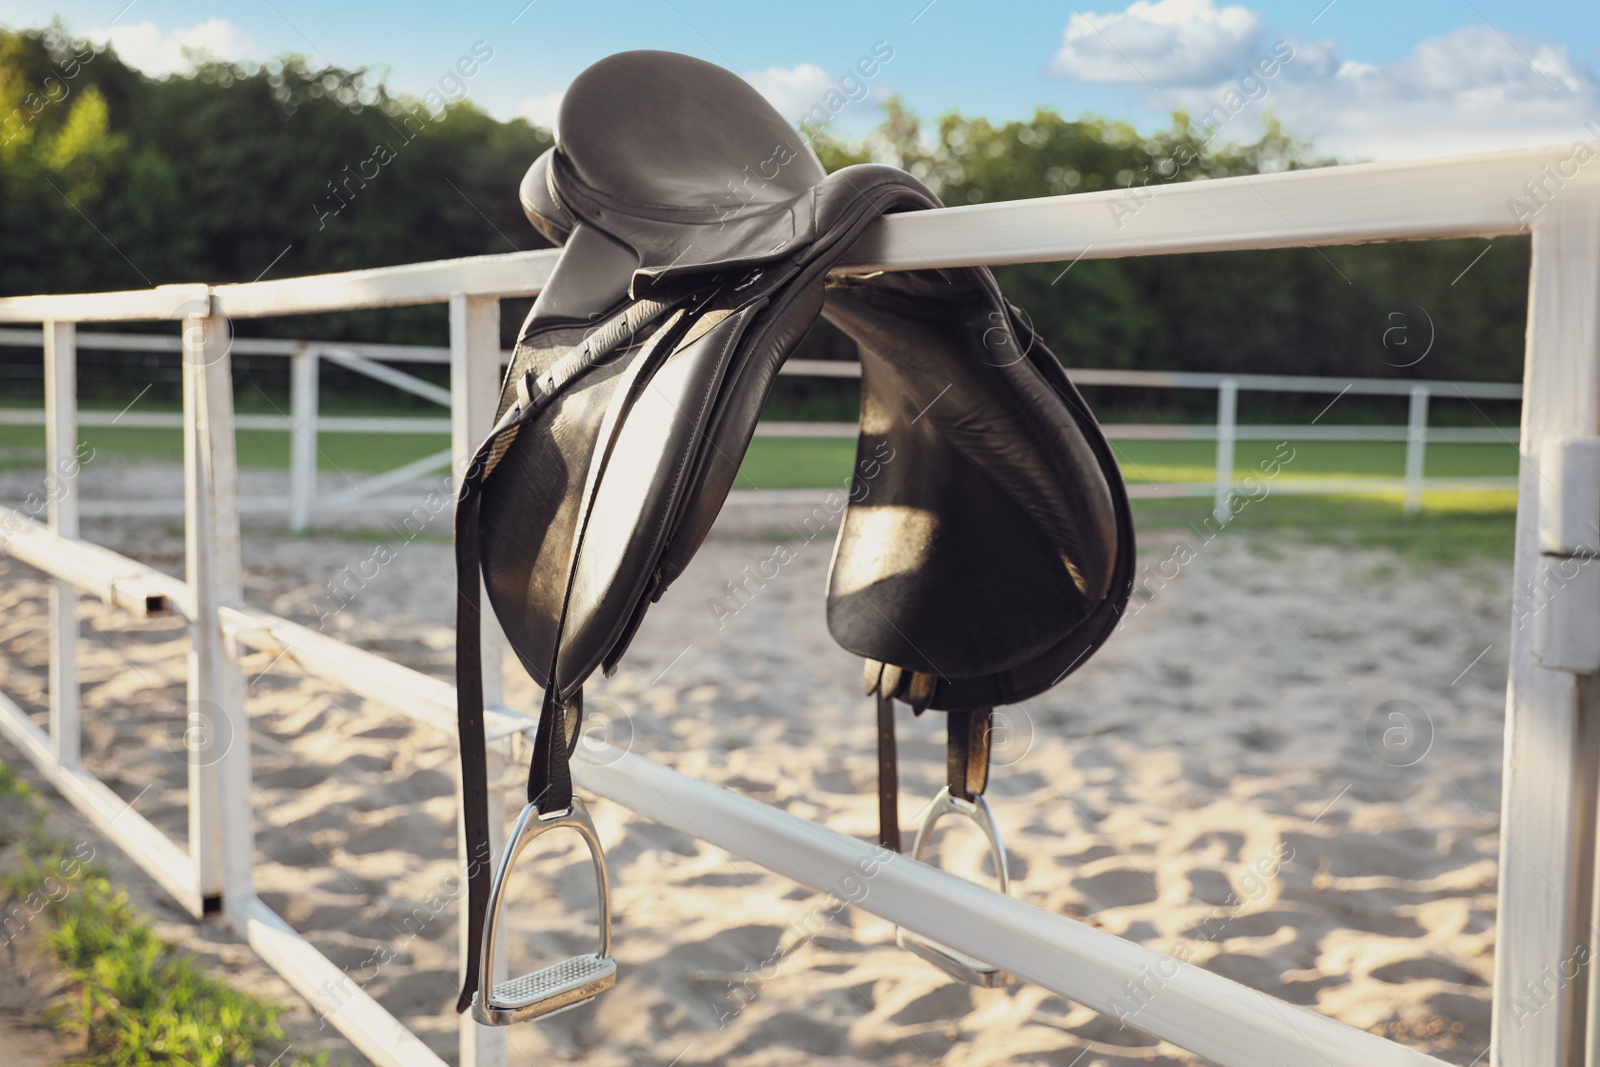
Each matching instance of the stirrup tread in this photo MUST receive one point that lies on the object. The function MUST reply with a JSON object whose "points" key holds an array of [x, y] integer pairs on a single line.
{"points": [[554, 989], [955, 963]]}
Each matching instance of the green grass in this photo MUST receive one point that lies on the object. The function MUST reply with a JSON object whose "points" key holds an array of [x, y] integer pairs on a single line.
{"points": [[1452, 524], [134, 999], [796, 463], [1195, 461], [790, 463], [260, 449], [17, 800], [1453, 528], [786, 463]]}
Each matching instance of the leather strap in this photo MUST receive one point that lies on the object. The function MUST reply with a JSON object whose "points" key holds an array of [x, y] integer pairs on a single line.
{"points": [[469, 724], [888, 777], [549, 776], [549, 771], [967, 752]]}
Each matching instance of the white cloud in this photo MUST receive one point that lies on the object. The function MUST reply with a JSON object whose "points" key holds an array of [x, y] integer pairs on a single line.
{"points": [[541, 110], [1468, 59], [1170, 43], [793, 90], [158, 52], [1470, 90]]}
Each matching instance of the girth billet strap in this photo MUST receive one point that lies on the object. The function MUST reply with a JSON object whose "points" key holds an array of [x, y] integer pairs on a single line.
{"points": [[967, 752], [888, 777], [550, 770], [966, 758]]}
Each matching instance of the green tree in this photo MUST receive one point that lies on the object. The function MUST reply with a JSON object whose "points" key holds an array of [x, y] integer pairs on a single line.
{"points": [[1291, 311]]}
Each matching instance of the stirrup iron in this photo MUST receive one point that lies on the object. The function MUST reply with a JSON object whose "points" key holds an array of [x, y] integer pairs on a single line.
{"points": [[958, 965], [560, 986]]}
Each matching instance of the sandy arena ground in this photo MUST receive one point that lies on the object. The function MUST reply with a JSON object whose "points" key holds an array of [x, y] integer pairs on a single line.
{"points": [[1215, 778]]}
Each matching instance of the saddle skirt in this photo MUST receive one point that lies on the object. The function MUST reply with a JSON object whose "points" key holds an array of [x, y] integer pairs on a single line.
{"points": [[985, 548]]}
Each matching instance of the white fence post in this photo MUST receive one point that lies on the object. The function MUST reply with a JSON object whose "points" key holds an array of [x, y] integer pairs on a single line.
{"points": [[474, 392], [61, 493], [1547, 830], [303, 382], [1416, 448], [1227, 410], [217, 738]]}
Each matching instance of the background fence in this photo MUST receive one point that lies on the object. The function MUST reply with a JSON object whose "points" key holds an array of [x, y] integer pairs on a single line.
{"points": [[304, 422], [1547, 892]]}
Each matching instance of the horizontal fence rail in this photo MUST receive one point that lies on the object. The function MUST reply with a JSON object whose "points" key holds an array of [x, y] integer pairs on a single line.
{"points": [[1411, 201], [1547, 887]]}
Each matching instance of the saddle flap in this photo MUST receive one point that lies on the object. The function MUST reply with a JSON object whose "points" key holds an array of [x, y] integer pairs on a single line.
{"points": [[578, 509], [981, 528], [655, 450]]}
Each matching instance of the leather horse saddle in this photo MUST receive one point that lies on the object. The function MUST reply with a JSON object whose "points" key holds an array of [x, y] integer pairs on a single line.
{"points": [[986, 549]]}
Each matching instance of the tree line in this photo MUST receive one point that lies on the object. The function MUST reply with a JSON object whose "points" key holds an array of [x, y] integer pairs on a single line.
{"points": [[110, 179]]}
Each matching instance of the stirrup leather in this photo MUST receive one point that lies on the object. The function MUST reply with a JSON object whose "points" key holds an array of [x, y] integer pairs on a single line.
{"points": [[956, 964], [562, 985]]}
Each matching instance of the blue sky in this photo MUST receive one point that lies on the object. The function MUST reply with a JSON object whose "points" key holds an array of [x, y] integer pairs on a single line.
{"points": [[1368, 80]]}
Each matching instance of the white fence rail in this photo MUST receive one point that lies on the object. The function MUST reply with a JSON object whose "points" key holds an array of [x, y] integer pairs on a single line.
{"points": [[1552, 762], [306, 424]]}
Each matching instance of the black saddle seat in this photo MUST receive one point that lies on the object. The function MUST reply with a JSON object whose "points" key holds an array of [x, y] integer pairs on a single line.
{"points": [[681, 161]]}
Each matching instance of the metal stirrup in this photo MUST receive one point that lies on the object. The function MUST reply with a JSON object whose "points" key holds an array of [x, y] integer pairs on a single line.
{"points": [[956, 964], [562, 985], [967, 772]]}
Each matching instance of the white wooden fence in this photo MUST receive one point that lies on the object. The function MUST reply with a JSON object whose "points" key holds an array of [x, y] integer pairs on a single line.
{"points": [[1552, 749], [304, 422]]}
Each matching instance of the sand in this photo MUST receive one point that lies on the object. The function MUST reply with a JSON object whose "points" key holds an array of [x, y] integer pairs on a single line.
{"points": [[1214, 781]]}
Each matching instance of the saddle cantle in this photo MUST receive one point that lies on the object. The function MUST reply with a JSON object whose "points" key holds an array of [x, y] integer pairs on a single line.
{"points": [[986, 548]]}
